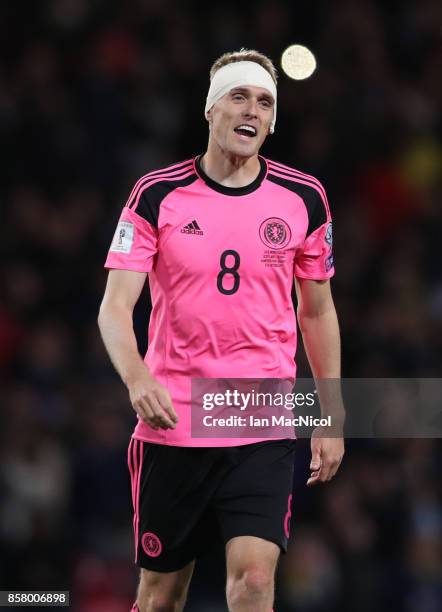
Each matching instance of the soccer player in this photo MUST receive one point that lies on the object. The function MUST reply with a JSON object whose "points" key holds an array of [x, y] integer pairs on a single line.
{"points": [[221, 237]]}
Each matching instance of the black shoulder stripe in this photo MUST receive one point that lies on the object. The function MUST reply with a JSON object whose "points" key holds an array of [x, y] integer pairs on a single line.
{"points": [[317, 215], [150, 200], [172, 168], [297, 176], [148, 179]]}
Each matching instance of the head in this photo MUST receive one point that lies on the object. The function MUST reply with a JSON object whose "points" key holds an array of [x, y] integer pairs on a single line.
{"points": [[242, 93]]}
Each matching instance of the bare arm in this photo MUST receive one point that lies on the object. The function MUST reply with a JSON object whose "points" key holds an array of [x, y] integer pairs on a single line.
{"points": [[319, 326], [320, 332], [149, 398]]}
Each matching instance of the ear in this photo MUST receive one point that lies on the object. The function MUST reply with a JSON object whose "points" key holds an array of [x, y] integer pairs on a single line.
{"points": [[209, 115]]}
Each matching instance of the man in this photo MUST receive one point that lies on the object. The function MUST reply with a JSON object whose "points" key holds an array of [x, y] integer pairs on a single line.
{"points": [[221, 237]]}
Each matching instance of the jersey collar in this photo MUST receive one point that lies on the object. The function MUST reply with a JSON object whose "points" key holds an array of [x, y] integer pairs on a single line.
{"points": [[231, 191]]}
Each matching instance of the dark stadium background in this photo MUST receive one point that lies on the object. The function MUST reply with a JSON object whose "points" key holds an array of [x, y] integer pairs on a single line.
{"points": [[93, 94]]}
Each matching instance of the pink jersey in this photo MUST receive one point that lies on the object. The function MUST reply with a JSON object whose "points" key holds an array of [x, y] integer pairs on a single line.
{"points": [[220, 262]]}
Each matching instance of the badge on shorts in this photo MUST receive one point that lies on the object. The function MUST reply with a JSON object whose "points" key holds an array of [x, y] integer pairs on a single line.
{"points": [[151, 544], [123, 238]]}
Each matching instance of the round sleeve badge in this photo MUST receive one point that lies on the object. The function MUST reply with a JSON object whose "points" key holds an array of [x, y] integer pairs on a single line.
{"points": [[275, 233]]}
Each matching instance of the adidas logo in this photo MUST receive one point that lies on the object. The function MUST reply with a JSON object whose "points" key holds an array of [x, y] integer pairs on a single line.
{"points": [[192, 228]]}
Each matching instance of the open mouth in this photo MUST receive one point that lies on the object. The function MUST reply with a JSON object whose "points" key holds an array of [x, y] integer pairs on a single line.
{"points": [[246, 130]]}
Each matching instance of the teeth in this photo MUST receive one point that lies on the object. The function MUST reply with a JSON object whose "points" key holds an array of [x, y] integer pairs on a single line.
{"points": [[248, 128]]}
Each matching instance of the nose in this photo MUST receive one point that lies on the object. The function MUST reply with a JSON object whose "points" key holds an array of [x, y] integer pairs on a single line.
{"points": [[251, 107]]}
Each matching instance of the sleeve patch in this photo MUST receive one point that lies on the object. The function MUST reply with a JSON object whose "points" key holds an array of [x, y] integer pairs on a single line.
{"points": [[329, 263], [123, 238], [329, 234]]}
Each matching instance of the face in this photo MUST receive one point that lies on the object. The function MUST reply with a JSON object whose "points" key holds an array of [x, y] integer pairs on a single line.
{"points": [[241, 119]]}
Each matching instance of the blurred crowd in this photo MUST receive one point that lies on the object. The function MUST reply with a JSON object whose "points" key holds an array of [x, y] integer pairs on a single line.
{"points": [[94, 94]]}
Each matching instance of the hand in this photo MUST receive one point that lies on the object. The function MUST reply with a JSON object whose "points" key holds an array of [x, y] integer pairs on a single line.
{"points": [[152, 402], [327, 455]]}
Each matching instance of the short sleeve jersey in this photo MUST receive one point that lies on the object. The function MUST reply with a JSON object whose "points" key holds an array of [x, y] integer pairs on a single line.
{"points": [[220, 263]]}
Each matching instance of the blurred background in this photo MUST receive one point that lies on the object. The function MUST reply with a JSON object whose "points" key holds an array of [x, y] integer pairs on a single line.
{"points": [[94, 94]]}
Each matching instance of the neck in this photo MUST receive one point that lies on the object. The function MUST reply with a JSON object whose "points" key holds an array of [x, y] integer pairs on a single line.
{"points": [[229, 169]]}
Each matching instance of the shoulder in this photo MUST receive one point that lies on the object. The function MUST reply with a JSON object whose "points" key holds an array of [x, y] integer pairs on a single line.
{"points": [[306, 186], [295, 180], [151, 189]]}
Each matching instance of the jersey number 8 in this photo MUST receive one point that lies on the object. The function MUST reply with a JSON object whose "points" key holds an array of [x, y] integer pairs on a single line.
{"points": [[228, 270]]}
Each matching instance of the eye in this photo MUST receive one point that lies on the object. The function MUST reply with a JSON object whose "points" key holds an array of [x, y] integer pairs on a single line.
{"points": [[238, 96]]}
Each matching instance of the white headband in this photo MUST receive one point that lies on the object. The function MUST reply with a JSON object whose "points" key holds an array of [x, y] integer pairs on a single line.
{"points": [[238, 74]]}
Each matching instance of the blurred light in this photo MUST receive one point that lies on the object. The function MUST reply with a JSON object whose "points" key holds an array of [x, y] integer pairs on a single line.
{"points": [[298, 62]]}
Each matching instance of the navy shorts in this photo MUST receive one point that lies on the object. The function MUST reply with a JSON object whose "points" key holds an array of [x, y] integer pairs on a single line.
{"points": [[184, 498]]}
